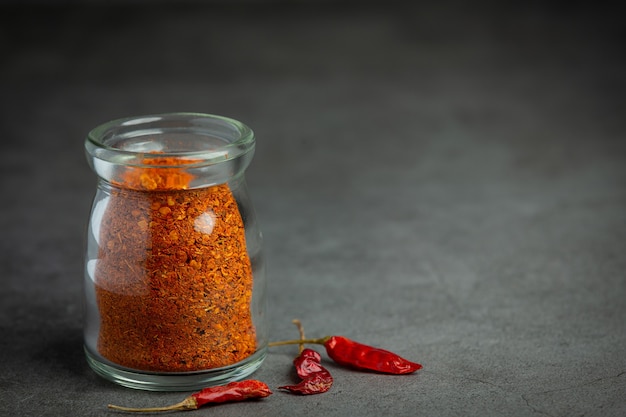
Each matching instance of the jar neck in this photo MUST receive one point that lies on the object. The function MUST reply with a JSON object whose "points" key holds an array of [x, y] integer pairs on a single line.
{"points": [[170, 152], [173, 176]]}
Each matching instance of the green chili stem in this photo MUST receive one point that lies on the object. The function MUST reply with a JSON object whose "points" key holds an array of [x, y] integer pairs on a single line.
{"points": [[319, 341]]}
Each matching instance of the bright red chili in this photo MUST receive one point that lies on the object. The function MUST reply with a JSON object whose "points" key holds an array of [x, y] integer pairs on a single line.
{"points": [[234, 391], [357, 355], [315, 378]]}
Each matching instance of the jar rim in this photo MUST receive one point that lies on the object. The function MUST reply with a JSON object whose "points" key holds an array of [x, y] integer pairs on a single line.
{"points": [[109, 141]]}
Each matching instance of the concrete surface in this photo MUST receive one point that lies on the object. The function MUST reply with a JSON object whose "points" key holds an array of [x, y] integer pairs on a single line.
{"points": [[447, 181]]}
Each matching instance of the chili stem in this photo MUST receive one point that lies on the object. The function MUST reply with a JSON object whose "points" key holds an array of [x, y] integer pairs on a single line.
{"points": [[298, 323], [319, 341], [186, 404]]}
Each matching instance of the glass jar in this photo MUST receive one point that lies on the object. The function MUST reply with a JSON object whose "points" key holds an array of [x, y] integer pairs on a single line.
{"points": [[174, 272]]}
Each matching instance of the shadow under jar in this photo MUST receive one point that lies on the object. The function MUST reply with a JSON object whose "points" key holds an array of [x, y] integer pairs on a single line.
{"points": [[174, 272]]}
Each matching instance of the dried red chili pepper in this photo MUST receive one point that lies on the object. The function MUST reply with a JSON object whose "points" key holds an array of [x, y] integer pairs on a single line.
{"points": [[357, 355], [234, 391], [350, 353], [315, 378]]}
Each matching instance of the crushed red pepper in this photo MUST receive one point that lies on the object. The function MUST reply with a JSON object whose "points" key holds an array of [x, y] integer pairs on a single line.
{"points": [[173, 278]]}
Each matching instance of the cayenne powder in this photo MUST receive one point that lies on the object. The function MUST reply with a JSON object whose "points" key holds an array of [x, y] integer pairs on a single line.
{"points": [[173, 278]]}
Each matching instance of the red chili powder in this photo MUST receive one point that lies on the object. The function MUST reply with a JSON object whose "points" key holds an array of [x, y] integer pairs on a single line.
{"points": [[173, 277]]}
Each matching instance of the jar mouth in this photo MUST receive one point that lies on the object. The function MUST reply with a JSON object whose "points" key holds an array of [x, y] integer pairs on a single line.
{"points": [[187, 138], [196, 149]]}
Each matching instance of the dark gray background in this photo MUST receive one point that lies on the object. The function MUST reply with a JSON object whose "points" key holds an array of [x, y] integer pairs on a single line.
{"points": [[446, 180]]}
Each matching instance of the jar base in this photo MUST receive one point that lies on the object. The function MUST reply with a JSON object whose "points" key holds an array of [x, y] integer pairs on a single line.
{"points": [[183, 381]]}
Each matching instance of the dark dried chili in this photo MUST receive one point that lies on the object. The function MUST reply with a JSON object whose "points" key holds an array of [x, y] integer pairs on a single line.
{"points": [[315, 378], [347, 352], [234, 391]]}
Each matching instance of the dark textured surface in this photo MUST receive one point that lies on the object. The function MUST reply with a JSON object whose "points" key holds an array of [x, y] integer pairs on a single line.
{"points": [[446, 181]]}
